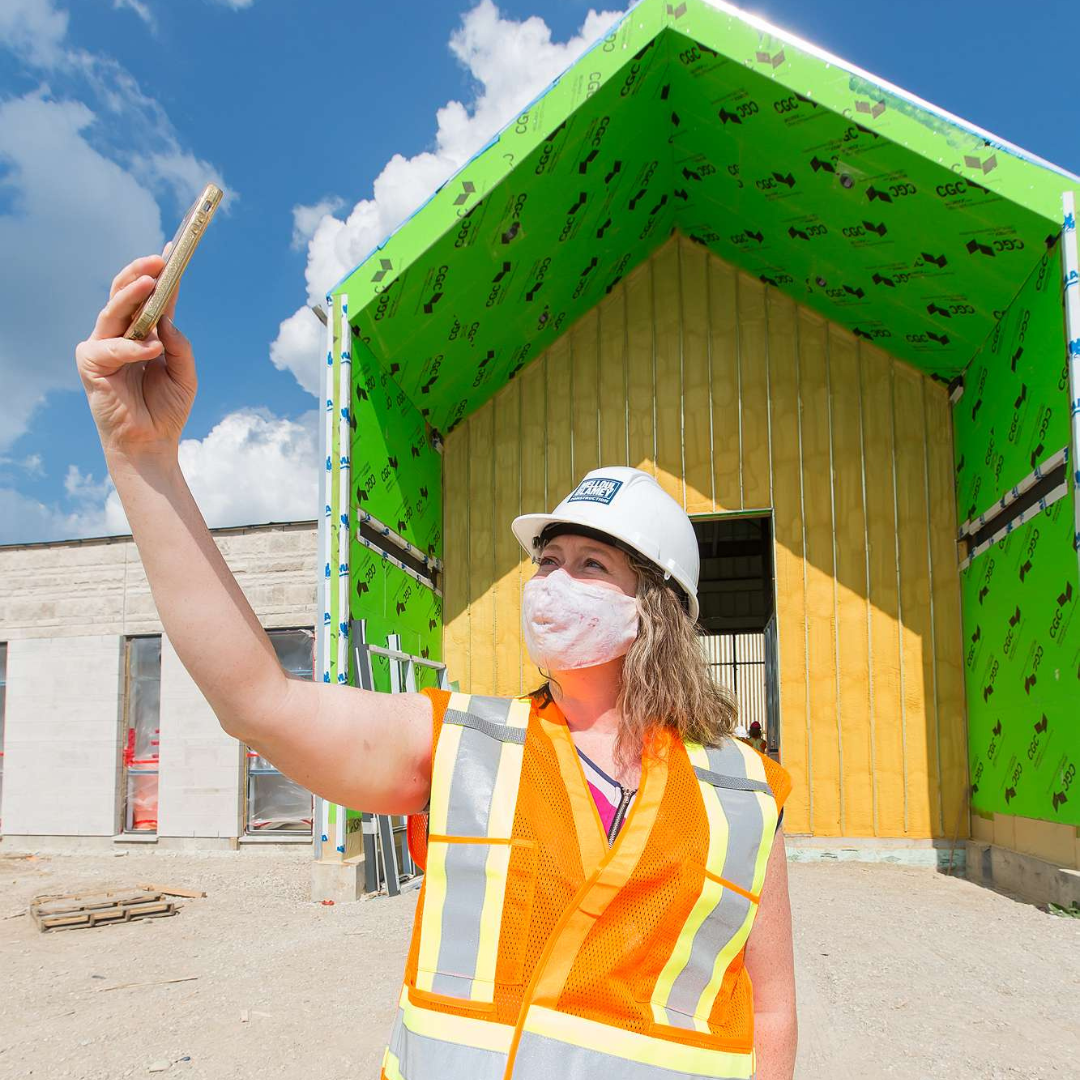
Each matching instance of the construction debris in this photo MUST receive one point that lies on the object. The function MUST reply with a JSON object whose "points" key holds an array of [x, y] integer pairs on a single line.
{"points": [[172, 890], [153, 982], [96, 909]]}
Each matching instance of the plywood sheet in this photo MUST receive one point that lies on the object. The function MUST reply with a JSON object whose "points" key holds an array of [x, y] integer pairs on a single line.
{"points": [[853, 703], [724, 364], [697, 406], [560, 471], [456, 612], [666, 304], [507, 505], [824, 749], [754, 393], [482, 550], [639, 325], [920, 728], [788, 552], [534, 497], [584, 350], [948, 644], [887, 716], [613, 449]]}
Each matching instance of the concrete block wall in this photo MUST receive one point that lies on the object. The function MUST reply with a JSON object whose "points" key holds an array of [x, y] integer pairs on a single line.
{"points": [[200, 765], [65, 609], [62, 738]]}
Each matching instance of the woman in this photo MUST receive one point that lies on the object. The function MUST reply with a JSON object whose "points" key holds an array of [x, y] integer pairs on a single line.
{"points": [[597, 852]]}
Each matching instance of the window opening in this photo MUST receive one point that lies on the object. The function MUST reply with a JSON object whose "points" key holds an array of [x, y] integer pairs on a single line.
{"points": [[738, 617], [142, 741], [274, 802]]}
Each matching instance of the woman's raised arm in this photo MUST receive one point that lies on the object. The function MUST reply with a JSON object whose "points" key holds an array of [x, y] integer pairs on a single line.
{"points": [[366, 750]]}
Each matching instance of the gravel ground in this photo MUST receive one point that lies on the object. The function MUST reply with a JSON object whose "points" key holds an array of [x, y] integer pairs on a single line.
{"points": [[901, 972]]}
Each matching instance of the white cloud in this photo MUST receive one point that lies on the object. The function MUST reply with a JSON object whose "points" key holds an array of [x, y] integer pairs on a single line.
{"points": [[306, 219], [252, 467], [511, 63], [300, 347], [236, 5], [33, 29], [140, 9], [64, 162], [68, 249]]}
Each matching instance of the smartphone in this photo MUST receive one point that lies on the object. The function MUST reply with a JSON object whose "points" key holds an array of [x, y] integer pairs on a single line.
{"points": [[179, 254]]}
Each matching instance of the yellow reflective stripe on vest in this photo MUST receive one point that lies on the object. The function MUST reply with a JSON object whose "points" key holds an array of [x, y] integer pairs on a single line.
{"points": [[426, 1044], [475, 779], [556, 1044], [741, 825]]}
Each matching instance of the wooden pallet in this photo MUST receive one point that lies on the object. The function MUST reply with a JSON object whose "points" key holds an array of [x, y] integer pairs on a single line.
{"points": [[98, 909]]}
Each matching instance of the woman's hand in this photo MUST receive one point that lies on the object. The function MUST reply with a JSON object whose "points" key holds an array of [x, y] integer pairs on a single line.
{"points": [[140, 392]]}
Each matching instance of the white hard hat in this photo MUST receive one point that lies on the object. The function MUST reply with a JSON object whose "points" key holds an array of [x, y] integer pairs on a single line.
{"points": [[632, 508]]}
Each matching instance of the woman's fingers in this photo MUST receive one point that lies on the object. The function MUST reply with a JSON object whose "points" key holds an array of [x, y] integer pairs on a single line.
{"points": [[179, 358], [106, 356], [147, 264], [115, 317]]}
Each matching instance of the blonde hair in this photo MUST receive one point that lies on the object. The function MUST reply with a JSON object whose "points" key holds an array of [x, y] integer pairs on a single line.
{"points": [[665, 679]]}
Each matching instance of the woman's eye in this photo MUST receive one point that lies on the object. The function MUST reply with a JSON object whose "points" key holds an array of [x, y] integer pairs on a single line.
{"points": [[599, 566]]}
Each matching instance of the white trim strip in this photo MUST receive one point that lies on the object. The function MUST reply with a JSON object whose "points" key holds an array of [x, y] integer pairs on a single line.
{"points": [[1036, 508], [364, 518], [973, 525]]}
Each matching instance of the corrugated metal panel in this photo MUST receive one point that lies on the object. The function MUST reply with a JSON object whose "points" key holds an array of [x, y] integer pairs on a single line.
{"points": [[737, 399]]}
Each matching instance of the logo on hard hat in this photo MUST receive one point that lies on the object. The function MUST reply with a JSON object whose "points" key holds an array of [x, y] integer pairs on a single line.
{"points": [[599, 489]]}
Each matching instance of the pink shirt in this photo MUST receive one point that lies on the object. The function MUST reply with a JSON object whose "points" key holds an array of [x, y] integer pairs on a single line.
{"points": [[613, 801]]}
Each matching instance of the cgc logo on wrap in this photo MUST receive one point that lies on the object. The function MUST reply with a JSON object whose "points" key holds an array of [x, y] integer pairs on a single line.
{"points": [[598, 490]]}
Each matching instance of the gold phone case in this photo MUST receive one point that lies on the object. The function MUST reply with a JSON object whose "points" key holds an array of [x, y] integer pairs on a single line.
{"points": [[183, 245]]}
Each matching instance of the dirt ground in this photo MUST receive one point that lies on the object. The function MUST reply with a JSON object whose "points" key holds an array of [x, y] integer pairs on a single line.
{"points": [[901, 972]]}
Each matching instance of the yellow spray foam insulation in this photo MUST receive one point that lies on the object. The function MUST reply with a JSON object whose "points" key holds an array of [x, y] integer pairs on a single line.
{"points": [[724, 363], [853, 705], [697, 408]]}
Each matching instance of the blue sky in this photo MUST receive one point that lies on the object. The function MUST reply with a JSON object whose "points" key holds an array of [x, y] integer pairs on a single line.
{"points": [[112, 113]]}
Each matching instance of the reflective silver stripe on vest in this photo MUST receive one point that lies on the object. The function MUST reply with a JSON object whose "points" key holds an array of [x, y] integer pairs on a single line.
{"points": [[466, 885], [737, 783], [421, 1057], [492, 730], [541, 1058], [474, 770], [742, 809]]}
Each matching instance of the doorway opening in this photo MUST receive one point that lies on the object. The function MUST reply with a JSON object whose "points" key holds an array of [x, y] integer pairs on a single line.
{"points": [[736, 593]]}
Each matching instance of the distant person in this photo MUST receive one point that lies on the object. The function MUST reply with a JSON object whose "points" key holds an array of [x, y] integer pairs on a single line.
{"points": [[605, 891], [756, 739]]}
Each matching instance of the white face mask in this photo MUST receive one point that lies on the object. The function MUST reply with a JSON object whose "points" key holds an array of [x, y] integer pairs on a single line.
{"points": [[569, 623]]}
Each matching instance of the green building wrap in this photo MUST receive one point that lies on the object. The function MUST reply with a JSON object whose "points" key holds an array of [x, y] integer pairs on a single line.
{"points": [[1022, 669], [1014, 412], [909, 227]]}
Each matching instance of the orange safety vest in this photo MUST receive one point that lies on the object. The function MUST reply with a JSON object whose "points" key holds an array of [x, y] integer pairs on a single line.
{"points": [[541, 953]]}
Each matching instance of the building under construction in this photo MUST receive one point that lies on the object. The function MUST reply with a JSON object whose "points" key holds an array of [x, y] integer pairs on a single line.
{"points": [[831, 319]]}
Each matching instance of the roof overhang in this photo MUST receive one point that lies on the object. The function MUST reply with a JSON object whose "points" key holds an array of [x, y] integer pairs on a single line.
{"points": [[879, 211]]}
